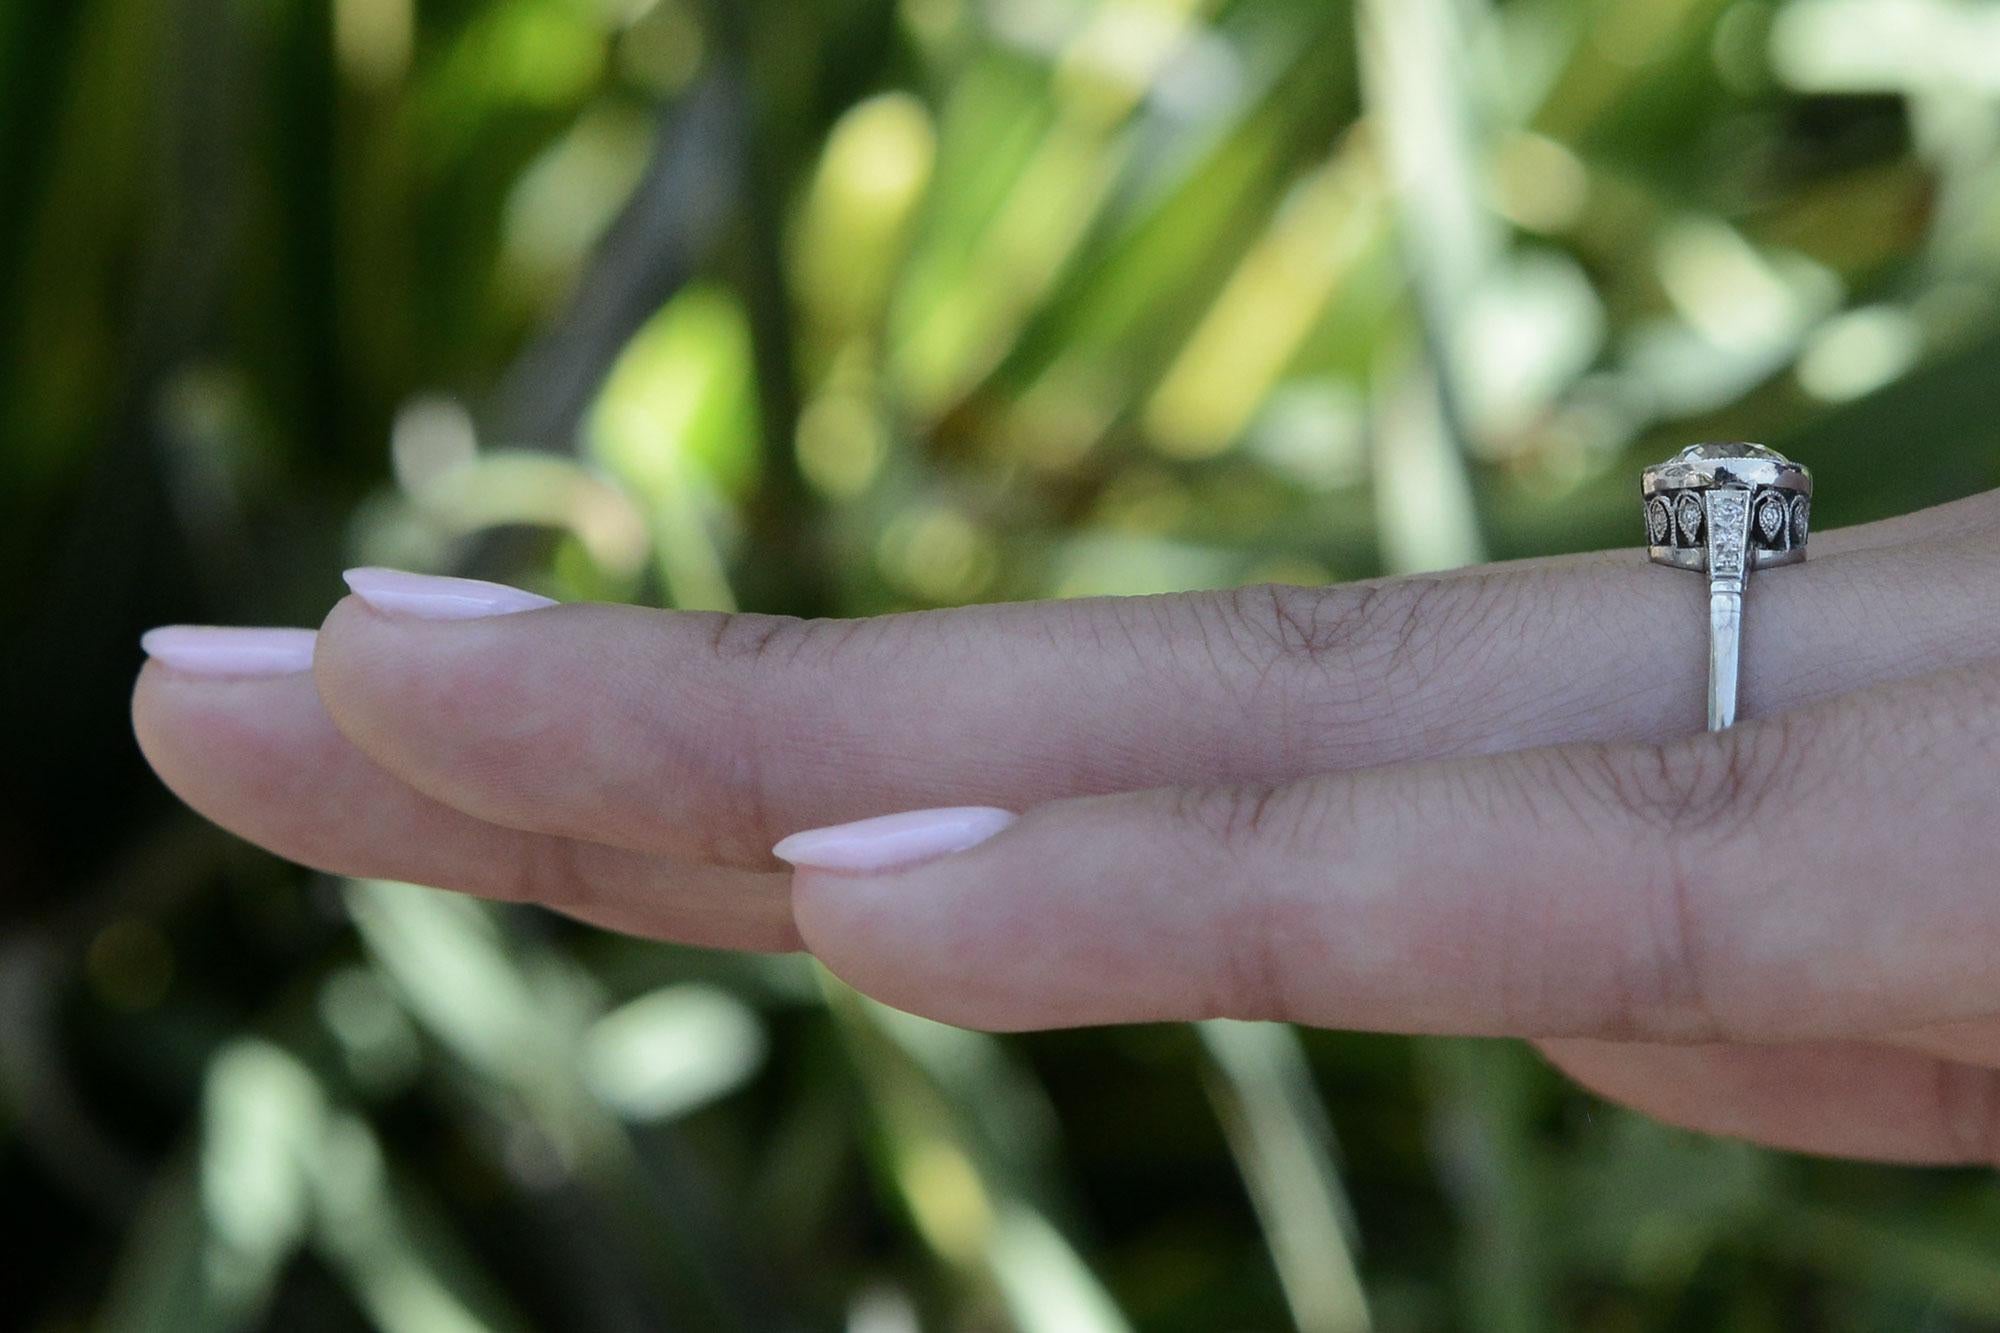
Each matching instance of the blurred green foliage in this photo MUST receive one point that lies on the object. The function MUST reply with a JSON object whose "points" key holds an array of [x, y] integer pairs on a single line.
{"points": [[842, 306]]}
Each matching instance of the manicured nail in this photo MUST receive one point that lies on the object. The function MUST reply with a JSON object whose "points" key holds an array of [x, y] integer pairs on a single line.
{"points": [[890, 842], [434, 597], [225, 650]]}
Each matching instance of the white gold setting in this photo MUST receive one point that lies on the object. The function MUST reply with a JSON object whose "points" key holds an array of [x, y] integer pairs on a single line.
{"points": [[1726, 510]]}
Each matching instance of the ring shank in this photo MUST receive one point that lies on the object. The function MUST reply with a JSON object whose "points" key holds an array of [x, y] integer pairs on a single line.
{"points": [[1725, 651], [1728, 520]]}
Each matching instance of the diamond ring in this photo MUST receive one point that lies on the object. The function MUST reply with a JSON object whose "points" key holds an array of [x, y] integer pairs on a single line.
{"points": [[1726, 510]]}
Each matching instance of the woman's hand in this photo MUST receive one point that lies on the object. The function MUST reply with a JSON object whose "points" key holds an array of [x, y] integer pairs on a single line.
{"points": [[1443, 805]]}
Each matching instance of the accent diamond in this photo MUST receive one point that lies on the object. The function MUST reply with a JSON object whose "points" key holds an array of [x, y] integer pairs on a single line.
{"points": [[1689, 514], [1660, 521], [1728, 532], [1772, 518], [1801, 519]]}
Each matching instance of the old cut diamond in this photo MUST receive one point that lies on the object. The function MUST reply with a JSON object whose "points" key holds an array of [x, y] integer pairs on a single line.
{"points": [[1712, 452]]}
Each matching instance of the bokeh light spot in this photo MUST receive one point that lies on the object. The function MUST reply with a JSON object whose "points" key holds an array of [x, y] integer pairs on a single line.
{"points": [[130, 964], [1858, 352]]}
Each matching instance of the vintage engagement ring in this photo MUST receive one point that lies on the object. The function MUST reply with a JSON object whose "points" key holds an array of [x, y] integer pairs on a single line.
{"points": [[1726, 510]]}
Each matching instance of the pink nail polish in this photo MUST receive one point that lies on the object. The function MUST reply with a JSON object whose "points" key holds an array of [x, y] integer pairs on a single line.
{"points": [[435, 597], [225, 650], [890, 842]]}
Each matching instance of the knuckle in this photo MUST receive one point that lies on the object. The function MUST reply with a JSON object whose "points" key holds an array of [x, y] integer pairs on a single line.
{"points": [[1709, 788], [1275, 625], [1249, 832], [1257, 955], [1333, 648], [548, 871], [1394, 624], [1651, 979], [1686, 809], [749, 639], [741, 638], [1668, 989], [1237, 819], [1973, 716], [761, 711], [1968, 1112]]}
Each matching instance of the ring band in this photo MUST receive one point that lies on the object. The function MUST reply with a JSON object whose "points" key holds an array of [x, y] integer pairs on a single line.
{"points": [[1727, 510]]}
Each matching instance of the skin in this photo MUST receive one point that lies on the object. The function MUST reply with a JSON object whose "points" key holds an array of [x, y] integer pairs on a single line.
{"points": [[1466, 804]]}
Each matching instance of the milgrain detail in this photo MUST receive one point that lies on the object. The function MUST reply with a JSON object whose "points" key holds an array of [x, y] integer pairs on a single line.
{"points": [[1660, 520], [1769, 518]]}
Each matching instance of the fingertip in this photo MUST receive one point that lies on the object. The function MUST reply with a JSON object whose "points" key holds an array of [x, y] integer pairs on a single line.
{"points": [[862, 931], [582, 720], [340, 630], [170, 709], [381, 675], [442, 705], [230, 749], [142, 708], [969, 916], [345, 622]]}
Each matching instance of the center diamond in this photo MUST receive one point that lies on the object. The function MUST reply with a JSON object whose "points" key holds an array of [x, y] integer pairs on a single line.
{"points": [[1715, 453]]}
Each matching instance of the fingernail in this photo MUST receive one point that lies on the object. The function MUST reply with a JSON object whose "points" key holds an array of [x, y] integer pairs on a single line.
{"points": [[434, 597], [225, 650], [890, 842]]}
